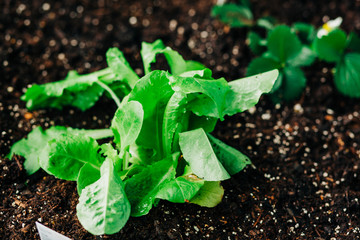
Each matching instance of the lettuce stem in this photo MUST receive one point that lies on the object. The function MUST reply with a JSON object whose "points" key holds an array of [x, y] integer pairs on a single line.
{"points": [[99, 133], [110, 91]]}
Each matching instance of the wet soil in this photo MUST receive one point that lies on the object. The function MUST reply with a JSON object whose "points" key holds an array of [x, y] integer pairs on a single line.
{"points": [[306, 154]]}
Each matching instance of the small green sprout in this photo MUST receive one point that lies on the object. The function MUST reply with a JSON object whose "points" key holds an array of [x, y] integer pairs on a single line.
{"points": [[334, 46], [286, 53], [298, 46]]}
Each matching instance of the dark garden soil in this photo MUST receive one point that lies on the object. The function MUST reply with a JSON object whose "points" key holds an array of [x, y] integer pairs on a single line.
{"points": [[305, 183]]}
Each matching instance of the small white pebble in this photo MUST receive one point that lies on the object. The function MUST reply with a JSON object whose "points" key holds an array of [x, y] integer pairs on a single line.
{"points": [[266, 116], [132, 20], [298, 108], [61, 56], [204, 34], [46, 7], [252, 110], [10, 89], [172, 24]]}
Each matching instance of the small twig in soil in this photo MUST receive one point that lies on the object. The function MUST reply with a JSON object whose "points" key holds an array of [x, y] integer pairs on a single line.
{"points": [[291, 214], [257, 220], [317, 232], [17, 160], [298, 149]]}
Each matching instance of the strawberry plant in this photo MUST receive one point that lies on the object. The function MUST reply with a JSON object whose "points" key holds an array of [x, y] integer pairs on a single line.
{"points": [[162, 146], [289, 48], [286, 53], [334, 46]]}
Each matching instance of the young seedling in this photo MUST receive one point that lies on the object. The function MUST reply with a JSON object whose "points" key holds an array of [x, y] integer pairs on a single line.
{"points": [[300, 45], [162, 146], [334, 46], [286, 53], [284, 48]]}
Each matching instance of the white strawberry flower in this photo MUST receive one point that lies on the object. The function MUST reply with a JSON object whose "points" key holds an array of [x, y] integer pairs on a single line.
{"points": [[329, 26]]}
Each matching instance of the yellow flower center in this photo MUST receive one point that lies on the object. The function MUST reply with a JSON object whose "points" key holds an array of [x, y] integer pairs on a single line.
{"points": [[327, 27]]}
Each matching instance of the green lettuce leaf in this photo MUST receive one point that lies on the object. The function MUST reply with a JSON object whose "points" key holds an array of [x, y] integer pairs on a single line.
{"points": [[233, 160], [245, 93], [193, 65], [153, 92], [127, 124], [143, 187], [75, 90], [103, 206], [175, 121], [212, 94], [88, 174], [267, 22], [31, 147], [120, 66], [64, 156], [181, 189], [176, 62], [209, 195], [206, 123], [202, 73], [198, 152], [82, 91]]}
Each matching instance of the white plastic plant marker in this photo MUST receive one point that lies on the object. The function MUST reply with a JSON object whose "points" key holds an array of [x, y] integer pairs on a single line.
{"points": [[49, 234]]}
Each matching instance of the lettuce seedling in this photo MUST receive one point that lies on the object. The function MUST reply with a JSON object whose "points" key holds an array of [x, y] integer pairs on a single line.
{"points": [[159, 153], [162, 146], [286, 53], [335, 46]]}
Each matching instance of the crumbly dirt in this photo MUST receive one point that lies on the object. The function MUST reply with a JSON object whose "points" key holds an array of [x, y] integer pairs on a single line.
{"points": [[304, 182]]}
